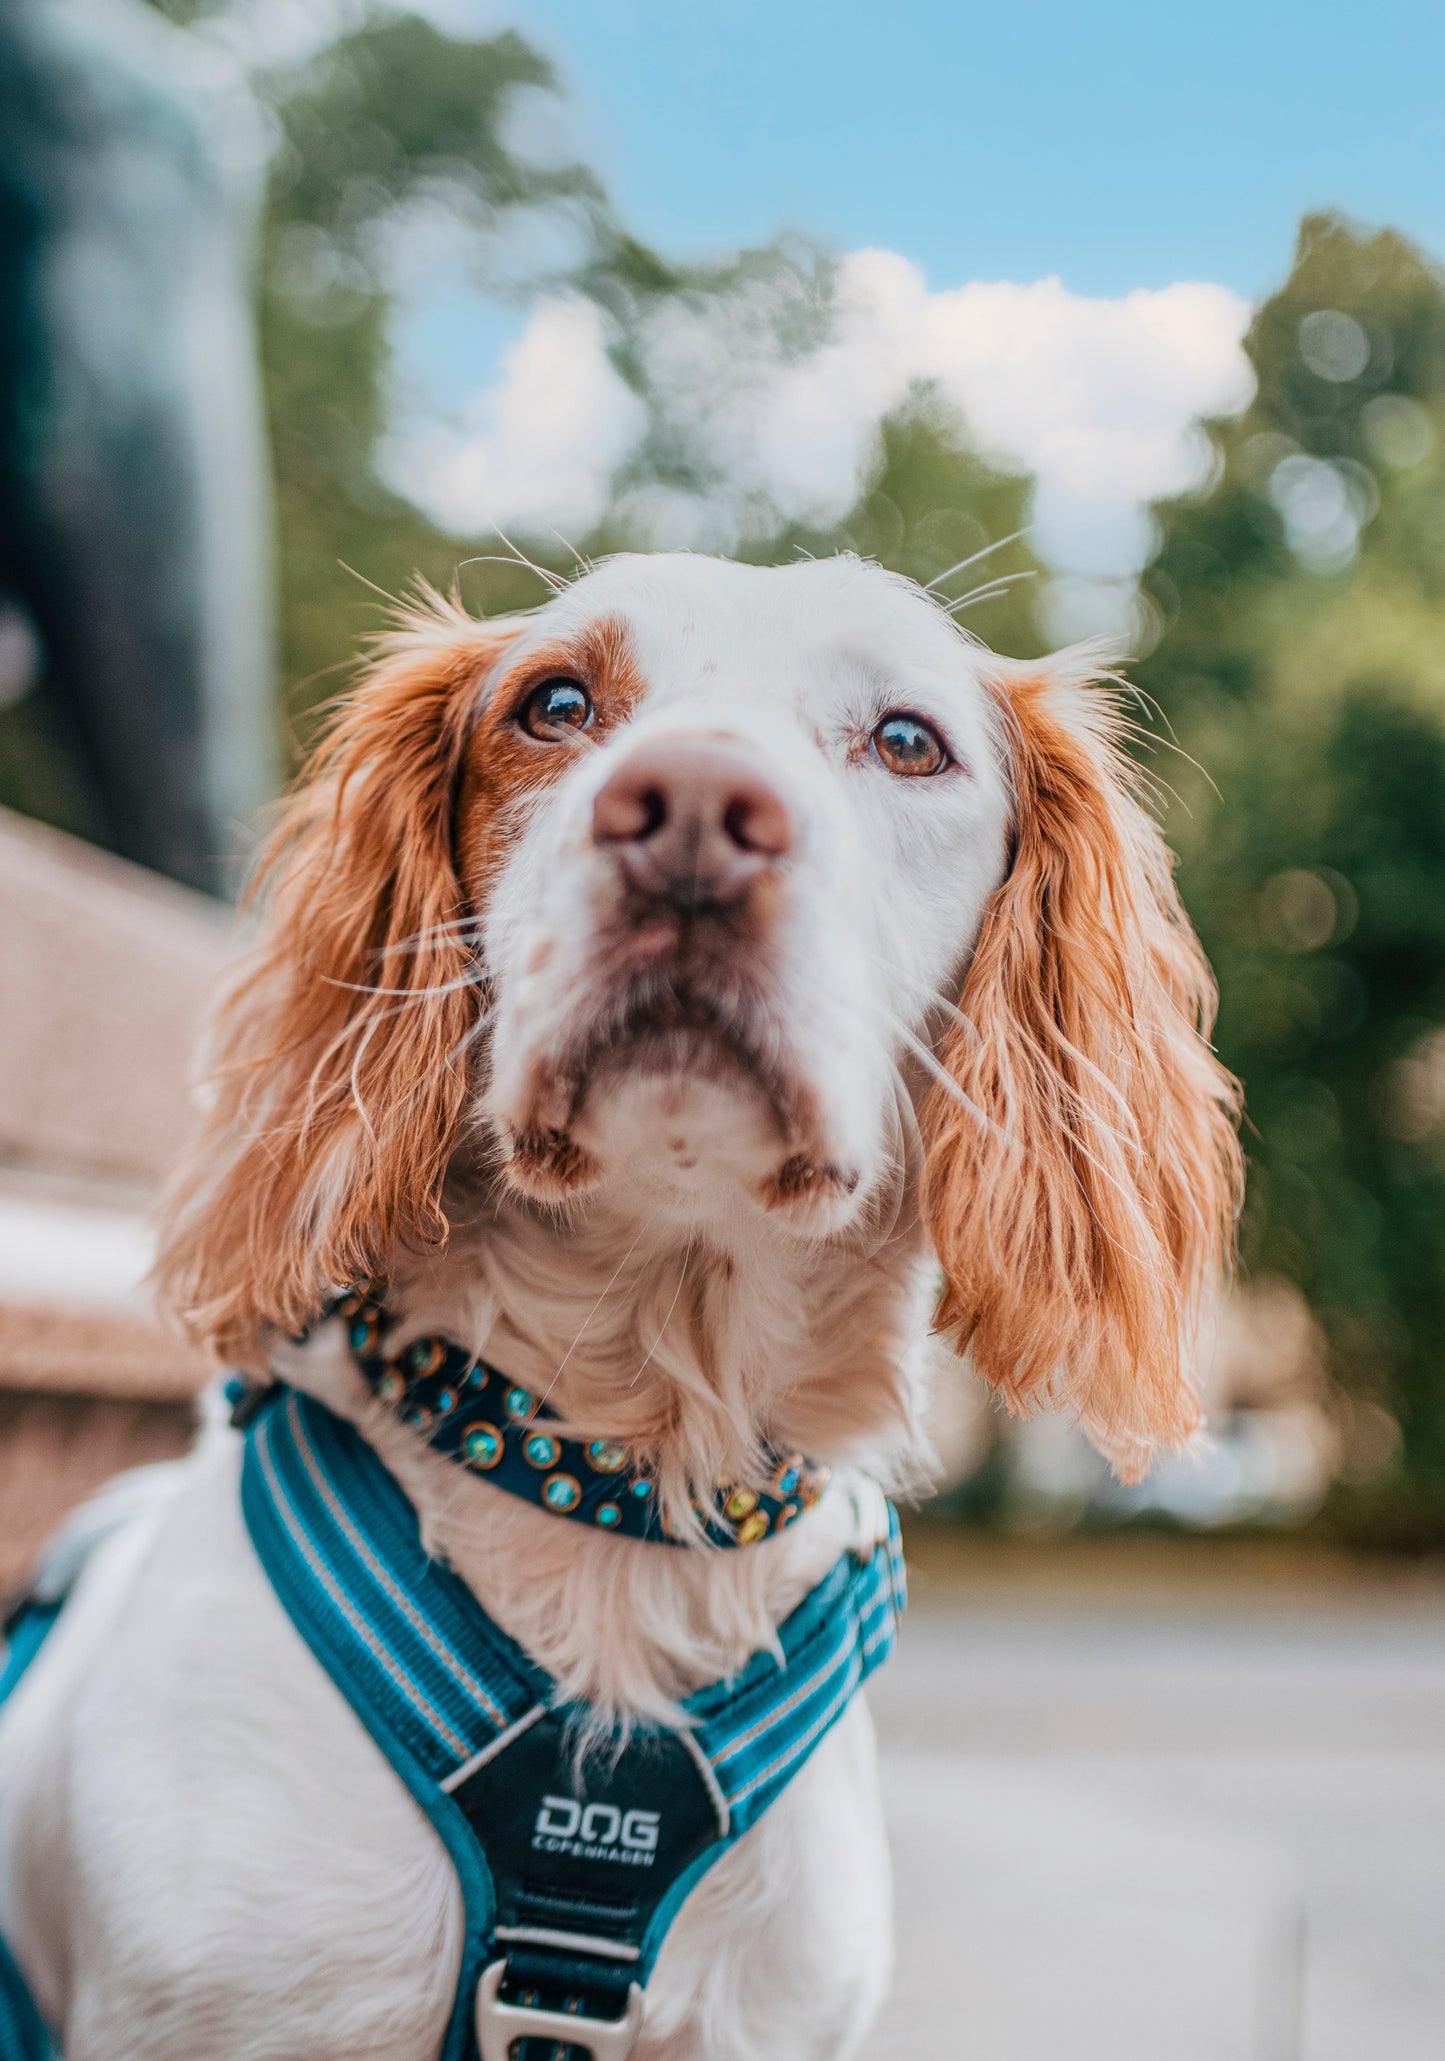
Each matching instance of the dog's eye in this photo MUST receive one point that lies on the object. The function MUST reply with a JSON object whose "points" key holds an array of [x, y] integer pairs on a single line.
{"points": [[909, 746], [555, 705]]}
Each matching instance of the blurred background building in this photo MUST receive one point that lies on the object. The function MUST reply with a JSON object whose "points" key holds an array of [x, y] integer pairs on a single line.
{"points": [[301, 299]]}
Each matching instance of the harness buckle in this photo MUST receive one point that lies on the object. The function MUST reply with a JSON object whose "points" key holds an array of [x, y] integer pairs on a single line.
{"points": [[500, 2025]]}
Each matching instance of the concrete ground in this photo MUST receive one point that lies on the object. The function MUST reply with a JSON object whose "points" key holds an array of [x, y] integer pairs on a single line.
{"points": [[1168, 1820]]}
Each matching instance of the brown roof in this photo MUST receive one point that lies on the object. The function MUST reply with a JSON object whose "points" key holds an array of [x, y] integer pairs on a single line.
{"points": [[105, 975]]}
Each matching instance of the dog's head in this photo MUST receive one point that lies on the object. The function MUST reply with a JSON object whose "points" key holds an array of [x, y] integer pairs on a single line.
{"points": [[699, 896]]}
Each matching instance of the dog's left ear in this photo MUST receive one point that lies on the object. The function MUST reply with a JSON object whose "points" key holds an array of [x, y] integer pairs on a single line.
{"points": [[340, 1047], [1083, 1174]]}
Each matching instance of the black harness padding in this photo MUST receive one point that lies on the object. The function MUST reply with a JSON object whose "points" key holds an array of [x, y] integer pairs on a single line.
{"points": [[585, 1845]]}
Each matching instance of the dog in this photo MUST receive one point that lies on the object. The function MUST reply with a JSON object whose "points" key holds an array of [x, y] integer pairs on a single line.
{"points": [[664, 991]]}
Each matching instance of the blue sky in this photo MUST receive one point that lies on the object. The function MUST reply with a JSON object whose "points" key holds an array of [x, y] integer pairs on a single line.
{"points": [[1117, 144]]}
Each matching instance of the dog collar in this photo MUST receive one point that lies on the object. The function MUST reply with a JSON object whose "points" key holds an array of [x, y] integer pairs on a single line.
{"points": [[477, 1417]]}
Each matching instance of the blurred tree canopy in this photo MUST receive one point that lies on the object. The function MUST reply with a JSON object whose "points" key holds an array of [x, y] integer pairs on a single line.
{"points": [[1302, 662]]}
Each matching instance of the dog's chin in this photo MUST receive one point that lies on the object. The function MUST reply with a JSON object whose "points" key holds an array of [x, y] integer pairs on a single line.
{"points": [[683, 1128]]}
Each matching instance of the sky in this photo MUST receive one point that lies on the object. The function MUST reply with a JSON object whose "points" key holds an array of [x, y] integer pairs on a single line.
{"points": [[1058, 215], [1114, 144]]}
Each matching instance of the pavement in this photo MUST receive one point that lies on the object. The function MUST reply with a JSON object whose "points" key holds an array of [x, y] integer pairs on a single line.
{"points": [[1162, 1823]]}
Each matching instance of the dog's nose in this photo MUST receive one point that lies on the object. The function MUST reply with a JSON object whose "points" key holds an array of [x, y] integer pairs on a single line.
{"points": [[692, 821]]}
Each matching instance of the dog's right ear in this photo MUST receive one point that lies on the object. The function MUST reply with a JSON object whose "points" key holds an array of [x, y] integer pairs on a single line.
{"points": [[1083, 1174], [339, 1047]]}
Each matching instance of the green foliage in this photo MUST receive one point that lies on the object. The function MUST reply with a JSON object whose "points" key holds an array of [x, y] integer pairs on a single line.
{"points": [[1304, 666], [392, 115]]}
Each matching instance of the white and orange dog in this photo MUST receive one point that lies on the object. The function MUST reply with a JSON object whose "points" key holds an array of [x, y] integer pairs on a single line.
{"points": [[661, 989]]}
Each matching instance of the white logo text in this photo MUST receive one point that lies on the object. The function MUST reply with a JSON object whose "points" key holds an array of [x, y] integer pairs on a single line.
{"points": [[596, 1832]]}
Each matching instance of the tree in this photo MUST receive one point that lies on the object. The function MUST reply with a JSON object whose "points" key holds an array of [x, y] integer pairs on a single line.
{"points": [[392, 115], [1302, 663]]}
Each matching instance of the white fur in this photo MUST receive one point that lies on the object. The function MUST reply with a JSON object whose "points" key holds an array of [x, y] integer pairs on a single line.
{"points": [[202, 1855]]}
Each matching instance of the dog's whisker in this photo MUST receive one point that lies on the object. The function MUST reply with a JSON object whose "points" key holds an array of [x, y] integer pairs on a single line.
{"points": [[1126, 1133], [584, 564], [470, 1036], [931, 1064], [577, 1340], [554, 580], [904, 1164], [469, 979], [987, 551], [437, 933], [904, 1112], [988, 592], [662, 1328], [955, 1015]]}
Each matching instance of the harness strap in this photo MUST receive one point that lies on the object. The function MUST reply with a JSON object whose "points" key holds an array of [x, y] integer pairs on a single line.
{"points": [[23, 2036], [23, 2033], [573, 1854]]}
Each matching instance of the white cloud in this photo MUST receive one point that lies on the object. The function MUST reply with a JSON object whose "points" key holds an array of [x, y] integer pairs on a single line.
{"points": [[1097, 398], [540, 447]]}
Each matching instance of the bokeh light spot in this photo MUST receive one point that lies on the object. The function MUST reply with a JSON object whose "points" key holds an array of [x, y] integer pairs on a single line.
{"points": [[1333, 345], [1298, 911], [1325, 503], [1397, 430]]}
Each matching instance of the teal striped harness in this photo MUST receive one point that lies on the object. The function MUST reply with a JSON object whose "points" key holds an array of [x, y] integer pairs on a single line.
{"points": [[23, 2033], [573, 1858]]}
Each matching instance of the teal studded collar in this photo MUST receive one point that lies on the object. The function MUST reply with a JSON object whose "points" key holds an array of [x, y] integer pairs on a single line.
{"points": [[478, 1418]]}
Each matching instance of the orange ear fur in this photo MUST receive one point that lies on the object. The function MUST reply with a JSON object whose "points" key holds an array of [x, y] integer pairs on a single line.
{"points": [[340, 1046], [1083, 1176]]}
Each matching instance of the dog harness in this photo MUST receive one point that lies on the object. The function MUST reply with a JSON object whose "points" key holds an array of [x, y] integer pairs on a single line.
{"points": [[573, 1853], [23, 2035]]}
